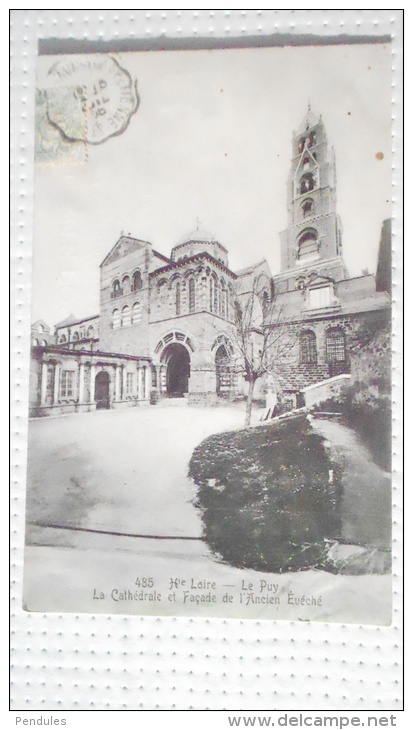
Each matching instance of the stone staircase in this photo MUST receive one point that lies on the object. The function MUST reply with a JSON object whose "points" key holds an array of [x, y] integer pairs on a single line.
{"points": [[173, 402], [295, 379]]}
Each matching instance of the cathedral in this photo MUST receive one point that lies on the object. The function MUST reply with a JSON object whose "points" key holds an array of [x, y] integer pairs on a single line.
{"points": [[167, 326]]}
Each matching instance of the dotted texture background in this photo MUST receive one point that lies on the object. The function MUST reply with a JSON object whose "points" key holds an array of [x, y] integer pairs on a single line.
{"points": [[65, 662]]}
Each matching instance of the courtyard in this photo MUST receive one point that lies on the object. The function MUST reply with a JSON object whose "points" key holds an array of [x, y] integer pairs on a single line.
{"points": [[117, 482]]}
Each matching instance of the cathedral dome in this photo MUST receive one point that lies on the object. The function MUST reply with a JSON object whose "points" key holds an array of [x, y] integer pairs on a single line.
{"points": [[199, 241], [199, 234]]}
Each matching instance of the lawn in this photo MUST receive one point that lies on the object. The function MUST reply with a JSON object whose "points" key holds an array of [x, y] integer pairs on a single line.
{"points": [[269, 496]]}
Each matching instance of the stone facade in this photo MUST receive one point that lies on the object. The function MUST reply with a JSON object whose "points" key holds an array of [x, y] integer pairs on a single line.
{"points": [[41, 334], [167, 327], [78, 334], [324, 311], [66, 381]]}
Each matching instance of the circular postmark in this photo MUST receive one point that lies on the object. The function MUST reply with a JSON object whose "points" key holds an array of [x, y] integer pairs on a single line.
{"points": [[90, 97]]}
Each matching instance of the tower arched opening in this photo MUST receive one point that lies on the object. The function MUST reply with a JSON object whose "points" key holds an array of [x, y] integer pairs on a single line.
{"points": [[307, 244]]}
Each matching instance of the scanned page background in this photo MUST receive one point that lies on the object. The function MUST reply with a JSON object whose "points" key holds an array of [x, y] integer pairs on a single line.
{"points": [[64, 662]]}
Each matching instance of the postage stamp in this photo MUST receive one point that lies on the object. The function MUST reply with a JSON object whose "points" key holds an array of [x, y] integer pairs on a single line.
{"points": [[51, 146], [82, 100], [210, 395]]}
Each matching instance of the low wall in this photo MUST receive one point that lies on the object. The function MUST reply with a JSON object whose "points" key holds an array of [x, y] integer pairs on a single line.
{"points": [[60, 409], [205, 399], [319, 392], [130, 403]]}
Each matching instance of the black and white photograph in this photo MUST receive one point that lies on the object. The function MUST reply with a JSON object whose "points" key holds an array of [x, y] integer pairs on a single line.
{"points": [[210, 382]]}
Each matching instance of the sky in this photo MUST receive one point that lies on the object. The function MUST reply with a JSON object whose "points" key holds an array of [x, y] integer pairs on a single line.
{"points": [[211, 141]]}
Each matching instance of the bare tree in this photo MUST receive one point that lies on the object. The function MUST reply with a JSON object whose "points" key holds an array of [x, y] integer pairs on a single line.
{"points": [[262, 337]]}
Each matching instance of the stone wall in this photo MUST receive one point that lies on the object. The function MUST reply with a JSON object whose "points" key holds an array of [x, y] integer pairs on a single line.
{"points": [[368, 351]]}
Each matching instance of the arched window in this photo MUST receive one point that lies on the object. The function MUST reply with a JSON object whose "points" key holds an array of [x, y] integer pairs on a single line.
{"points": [[116, 319], [311, 138], [137, 281], [126, 284], [191, 288], [265, 302], [222, 299], [35, 342], [91, 331], [211, 294], [40, 329], [178, 298], [136, 313], [307, 206], [335, 346], [126, 317], [308, 347], [62, 339], [44, 343], [214, 294], [310, 234], [116, 289], [75, 336], [308, 243], [307, 183]]}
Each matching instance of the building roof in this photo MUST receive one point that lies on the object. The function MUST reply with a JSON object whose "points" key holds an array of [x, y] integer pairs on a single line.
{"points": [[124, 246], [161, 256], [309, 121], [71, 319], [249, 269], [192, 259], [96, 355], [43, 323], [199, 234]]}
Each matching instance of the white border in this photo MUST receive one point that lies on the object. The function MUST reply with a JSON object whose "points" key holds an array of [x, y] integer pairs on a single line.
{"points": [[182, 664]]}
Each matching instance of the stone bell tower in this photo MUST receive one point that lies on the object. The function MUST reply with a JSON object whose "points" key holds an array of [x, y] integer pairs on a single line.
{"points": [[313, 240]]}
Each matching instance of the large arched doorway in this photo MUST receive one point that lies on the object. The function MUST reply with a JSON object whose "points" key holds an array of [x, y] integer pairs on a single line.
{"points": [[102, 382], [178, 368]]}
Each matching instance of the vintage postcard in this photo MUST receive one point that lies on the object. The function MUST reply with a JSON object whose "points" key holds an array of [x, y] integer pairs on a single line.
{"points": [[210, 393]]}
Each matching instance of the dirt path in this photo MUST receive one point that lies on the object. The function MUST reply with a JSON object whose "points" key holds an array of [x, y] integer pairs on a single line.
{"points": [[366, 506], [120, 470]]}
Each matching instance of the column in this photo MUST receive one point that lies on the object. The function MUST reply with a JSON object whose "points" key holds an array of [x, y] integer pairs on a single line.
{"points": [[123, 382], [92, 382], [56, 383], [81, 382], [148, 377], [117, 382], [140, 394], [43, 387], [158, 378]]}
